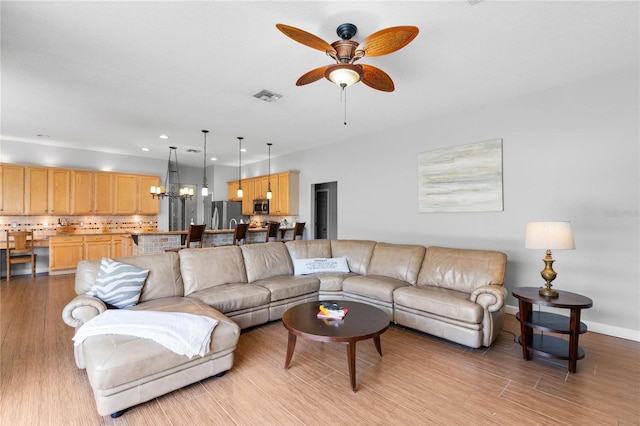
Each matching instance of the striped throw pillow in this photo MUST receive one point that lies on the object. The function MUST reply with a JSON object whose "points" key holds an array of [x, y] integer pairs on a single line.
{"points": [[118, 284]]}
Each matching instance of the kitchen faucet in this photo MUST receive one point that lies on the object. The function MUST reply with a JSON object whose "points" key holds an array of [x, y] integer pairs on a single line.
{"points": [[233, 220]]}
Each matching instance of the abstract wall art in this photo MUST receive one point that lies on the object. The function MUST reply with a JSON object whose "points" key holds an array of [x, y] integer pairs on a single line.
{"points": [[466, 178]]}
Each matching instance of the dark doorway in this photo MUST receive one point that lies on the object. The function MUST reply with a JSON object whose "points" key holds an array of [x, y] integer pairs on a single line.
{"points": [[326, 210]]}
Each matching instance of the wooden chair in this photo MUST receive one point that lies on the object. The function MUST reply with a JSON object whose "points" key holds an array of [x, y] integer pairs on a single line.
{"points": [[240, 234], [22, 250], [195, 235], [298, 230], [272, 231]]}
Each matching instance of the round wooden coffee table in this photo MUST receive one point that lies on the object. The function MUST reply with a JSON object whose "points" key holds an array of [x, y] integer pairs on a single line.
{"points": [[361, 322]]}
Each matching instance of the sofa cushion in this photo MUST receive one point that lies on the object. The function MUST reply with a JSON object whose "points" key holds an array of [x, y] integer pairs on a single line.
{"points": [[209, 267], [266, 260], [332, 281], [164, 278], [287, 287], [357, 252], [233, 297], [372, 286], [462, 269], [306, 249], [118, 284], [399, 261], [321, 264], [439, 301]]}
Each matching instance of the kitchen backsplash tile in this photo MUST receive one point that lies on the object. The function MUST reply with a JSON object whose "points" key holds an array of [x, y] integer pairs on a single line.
{"points": [[43, 226]]}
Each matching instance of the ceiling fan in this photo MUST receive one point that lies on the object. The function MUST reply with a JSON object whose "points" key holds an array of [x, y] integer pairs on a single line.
{"points": [[346, 52]]}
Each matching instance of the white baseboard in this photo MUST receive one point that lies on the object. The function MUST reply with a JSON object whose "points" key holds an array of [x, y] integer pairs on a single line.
{"points": [[596, 327]]}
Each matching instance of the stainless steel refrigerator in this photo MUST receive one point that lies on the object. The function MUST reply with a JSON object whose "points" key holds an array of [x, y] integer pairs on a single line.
{"points": [[221, 213]]}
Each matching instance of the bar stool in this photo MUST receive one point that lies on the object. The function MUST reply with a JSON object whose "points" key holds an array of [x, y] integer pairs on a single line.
{"points": [[23, 250], [240, 234], [272, 231], [195, 235], [298, 230]]}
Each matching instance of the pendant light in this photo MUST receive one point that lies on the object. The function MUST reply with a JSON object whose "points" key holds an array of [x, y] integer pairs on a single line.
{"points": [[269, 193], [240, 166], [205, 187]]}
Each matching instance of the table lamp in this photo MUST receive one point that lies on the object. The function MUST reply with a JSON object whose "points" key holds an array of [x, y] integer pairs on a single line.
{"points": [[548, 236]]}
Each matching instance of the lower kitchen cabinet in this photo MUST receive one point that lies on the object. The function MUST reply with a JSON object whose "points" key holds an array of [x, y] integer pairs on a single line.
{"points": [[65, 251]]}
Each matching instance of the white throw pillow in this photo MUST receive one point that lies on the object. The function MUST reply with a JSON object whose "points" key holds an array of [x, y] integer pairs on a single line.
{"points": [[310, 266], [118, 284]]}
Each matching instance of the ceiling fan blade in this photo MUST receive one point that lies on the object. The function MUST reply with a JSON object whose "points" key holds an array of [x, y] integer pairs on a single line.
{"points": [[377, 79], [389, 40], [311, 76], [305, 38]]}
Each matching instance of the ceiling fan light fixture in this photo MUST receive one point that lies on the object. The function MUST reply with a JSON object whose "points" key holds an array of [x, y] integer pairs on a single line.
{"points": [[344, 75]]}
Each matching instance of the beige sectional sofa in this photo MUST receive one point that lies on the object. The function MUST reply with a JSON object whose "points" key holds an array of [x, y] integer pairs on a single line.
{"points": [[455, 294]]}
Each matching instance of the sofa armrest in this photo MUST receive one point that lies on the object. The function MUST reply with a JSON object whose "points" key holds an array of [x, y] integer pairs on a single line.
{"points": [[491, 297], [81, 309]]}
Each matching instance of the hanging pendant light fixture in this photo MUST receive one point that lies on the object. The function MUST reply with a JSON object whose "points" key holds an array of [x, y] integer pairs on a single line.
{"points": [[161, 191], [240, 166], [205, 187], [269, 193]]}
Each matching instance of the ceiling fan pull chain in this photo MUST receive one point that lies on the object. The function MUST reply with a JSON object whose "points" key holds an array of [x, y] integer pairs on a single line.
{"points": [[345, 103]]}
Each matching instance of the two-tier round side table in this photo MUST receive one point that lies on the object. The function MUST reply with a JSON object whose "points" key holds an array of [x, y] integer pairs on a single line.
{"points": [[545, 345]]}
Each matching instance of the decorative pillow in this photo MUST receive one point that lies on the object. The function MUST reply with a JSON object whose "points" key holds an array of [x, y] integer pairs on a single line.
{"points": [[310, 266], [118, 284]]}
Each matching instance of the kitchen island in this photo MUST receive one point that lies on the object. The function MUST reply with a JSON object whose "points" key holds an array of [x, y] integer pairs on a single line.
{"points": [[148, 242]]}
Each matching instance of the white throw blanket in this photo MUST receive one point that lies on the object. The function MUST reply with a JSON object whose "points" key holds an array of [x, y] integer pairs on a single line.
{"points": [[184, 334]]}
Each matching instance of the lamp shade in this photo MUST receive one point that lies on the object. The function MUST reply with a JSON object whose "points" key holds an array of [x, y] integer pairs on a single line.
{"points": [[549, 235]]}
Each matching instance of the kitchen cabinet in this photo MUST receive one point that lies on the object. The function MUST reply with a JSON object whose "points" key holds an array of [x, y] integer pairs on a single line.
{"points": [[37, 190], [47, 191], [132, 196], [103, 193], [261, 185], [146, 203], [91, 192], [121, 246], [97, 246], [65, 252], [12, 189], [286, 190], [249, 193], [59, 191]]}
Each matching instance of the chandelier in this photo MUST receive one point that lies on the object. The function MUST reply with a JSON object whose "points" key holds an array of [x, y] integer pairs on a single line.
{"points": [[161, 191]]}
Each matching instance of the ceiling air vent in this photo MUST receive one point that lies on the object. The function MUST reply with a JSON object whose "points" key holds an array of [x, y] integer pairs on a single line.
{"points": [[193, 150], [267, 95]]}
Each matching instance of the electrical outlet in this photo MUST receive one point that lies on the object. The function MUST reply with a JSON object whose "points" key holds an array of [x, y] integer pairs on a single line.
{"points": [[14, 225], [81, 224]]}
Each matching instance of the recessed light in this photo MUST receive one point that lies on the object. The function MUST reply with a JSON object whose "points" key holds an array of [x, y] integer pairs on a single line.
{"points": [[214, 159], [164, 137], [243, 150], [145, 149]]}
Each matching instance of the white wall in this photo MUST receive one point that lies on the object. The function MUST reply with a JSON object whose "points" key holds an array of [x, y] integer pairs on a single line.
{"points": [[568, 154]]}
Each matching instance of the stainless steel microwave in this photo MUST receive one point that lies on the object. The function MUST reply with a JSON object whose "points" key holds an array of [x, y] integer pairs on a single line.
{"points": [[260, 206]]}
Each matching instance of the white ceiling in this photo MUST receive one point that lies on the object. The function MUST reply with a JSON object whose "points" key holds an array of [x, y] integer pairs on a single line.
{"points": [[112, 76]]}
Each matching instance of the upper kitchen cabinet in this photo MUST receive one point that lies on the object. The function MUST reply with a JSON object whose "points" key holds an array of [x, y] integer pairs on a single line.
{"points": [[12, 189], [92, 192], [47, 191], [285, 188], [132, 194], [59, 193], [146, 203]]}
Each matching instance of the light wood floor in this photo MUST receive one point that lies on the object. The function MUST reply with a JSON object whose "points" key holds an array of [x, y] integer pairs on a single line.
{"points": [[419, 380]]}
